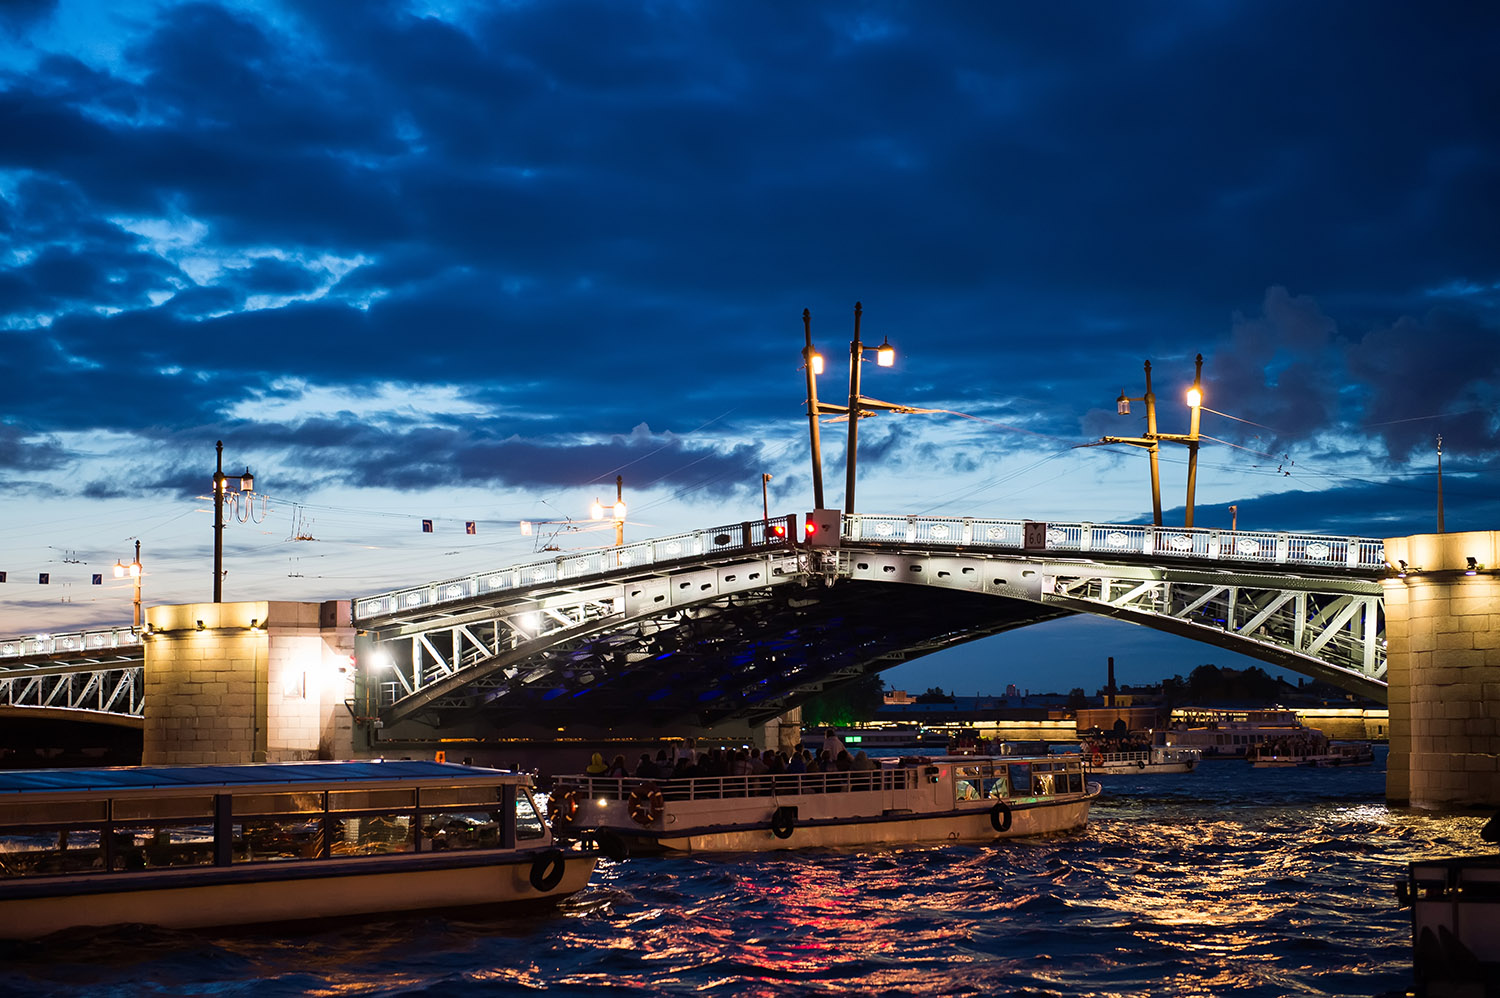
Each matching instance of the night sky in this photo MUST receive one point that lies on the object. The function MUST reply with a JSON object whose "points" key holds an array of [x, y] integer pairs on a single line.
{"points": [[470, 261]]}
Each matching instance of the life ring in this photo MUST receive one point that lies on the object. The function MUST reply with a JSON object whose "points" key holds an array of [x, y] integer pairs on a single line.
{"points": [[1000, 816], [646, 804], [783, 820], [1098, 759], [562, 808], [1140, 764], [547, 870]]}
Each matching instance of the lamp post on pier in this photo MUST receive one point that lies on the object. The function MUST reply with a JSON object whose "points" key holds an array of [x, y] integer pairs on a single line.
{"points": [[134, 571], [812, 363], [596, 512], [247, 486]]}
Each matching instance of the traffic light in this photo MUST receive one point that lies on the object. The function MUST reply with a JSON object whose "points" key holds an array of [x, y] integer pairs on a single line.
{"points": [[822, 528]]}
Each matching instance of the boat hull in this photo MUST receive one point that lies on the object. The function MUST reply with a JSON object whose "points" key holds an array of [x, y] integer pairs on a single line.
{"points": [[885, 830], [289, 892]]}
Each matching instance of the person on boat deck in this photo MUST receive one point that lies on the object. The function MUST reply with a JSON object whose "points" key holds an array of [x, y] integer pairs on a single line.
{"points": [[688, 750], [757, 762], [617, 768], [645, 769], [831, 743], [596, 766], [797, 764], [664, 765], [844, 762], [862, 762]]}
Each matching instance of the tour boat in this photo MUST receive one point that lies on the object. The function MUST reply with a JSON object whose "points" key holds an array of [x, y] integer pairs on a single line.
{"points": [[1313, 750], [196, 847], [1231, 733], [969, 798], [1100, 759]]}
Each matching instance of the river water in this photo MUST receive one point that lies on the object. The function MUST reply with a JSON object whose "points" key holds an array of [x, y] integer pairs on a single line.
{"points": [[1225, 881]]}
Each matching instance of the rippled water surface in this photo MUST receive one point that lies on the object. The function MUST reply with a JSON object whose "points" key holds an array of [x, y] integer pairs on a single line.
{"points": [[1224, 881]]}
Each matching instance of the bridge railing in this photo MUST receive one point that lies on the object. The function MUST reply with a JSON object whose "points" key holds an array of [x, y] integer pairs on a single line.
{"points": [[70, 643], [1020, 536], [1187, 543], [753, 535]]}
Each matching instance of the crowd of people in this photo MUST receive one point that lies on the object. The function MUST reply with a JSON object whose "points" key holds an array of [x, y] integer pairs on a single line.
{"points": [[686, 760]]}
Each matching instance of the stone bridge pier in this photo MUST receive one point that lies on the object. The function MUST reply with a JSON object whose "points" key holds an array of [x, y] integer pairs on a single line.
{"points": [[1442, 626], [248, 682]]}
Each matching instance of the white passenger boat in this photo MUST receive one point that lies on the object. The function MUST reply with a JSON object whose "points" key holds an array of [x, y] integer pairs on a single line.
{"points": [[1100, 759], [1311, 752], [1227, 733], [968, 798], [213, 846]]}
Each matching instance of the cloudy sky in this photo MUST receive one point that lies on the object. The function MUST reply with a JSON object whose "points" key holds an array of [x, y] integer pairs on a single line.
{"points": [[470, 261]]}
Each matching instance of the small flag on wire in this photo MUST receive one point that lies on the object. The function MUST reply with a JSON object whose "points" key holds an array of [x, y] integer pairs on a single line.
{"points": [[98, 579], [43, 578], [468, 526], [426, 526]]}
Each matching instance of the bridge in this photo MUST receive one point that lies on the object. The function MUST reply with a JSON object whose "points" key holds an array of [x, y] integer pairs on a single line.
{"points": [[747, 620]]}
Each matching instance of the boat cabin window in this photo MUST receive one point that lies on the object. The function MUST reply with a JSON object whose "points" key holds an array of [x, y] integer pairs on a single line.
{"points": [[461, 830], [146, 808], [39, 851], [450, 796], [52, 812], [155, 846], [371, 800], [529, 823], [371, 835], [299, 803]]}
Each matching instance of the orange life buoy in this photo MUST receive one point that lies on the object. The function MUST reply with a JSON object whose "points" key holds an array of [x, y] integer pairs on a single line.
{"points": [[1098, 758], [646, 804]]}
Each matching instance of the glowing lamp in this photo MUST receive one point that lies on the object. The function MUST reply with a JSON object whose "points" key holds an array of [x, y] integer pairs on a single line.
{"points": [[1122, 405], [596, 511], [620, 510], [1194, 397], [885, 354], [817, 363]]}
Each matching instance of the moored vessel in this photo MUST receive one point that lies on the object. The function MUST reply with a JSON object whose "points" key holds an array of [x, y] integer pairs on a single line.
{"points": [[1311, 750], [1104, 759], [195, 847], [909, 800]]}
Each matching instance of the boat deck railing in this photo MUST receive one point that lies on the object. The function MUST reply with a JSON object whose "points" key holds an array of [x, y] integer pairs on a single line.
{"points": [[908, 775]]}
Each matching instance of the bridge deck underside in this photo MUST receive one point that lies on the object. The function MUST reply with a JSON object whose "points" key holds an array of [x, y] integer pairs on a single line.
{"points": [[750, 656]]}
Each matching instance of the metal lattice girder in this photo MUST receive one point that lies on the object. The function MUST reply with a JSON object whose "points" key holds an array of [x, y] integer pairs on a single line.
{"points": [[1328, 627], [89, 688]]}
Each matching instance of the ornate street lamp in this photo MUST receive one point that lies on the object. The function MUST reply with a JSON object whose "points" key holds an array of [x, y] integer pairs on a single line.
{"points": [[596, 511], [134, 571]]}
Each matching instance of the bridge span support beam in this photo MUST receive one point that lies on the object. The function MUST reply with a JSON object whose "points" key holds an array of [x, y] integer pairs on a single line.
{"points": [[1443, 658], [229, 683]]}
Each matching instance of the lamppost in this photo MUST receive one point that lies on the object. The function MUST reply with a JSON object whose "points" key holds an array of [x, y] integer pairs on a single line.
{"points": [[134, 571], [812, 363], [596, 512], [885, 356], [765, 502], [1152, 439], [247, 485]]}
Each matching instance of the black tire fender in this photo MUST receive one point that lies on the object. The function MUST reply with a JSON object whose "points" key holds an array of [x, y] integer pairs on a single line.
{"points": [[1000, 816], [613, 846], [547, 870], [783, 820]]}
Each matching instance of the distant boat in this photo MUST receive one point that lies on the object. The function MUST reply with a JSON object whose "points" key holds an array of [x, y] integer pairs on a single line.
{"points": [[194, 847], [1225, 733], [1312, 752], [1139, 762], [942, 799]]}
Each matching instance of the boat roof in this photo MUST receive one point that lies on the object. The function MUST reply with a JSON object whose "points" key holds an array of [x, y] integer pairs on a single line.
{"points": [[259, 774]]}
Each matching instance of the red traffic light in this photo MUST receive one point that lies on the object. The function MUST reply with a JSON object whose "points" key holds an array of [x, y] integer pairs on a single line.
{"points": [[778, 529], [811, 528]]}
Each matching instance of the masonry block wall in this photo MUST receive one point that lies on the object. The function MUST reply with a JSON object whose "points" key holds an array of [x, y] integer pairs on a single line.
{"points": [[256, 682], [1442, 630]]}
